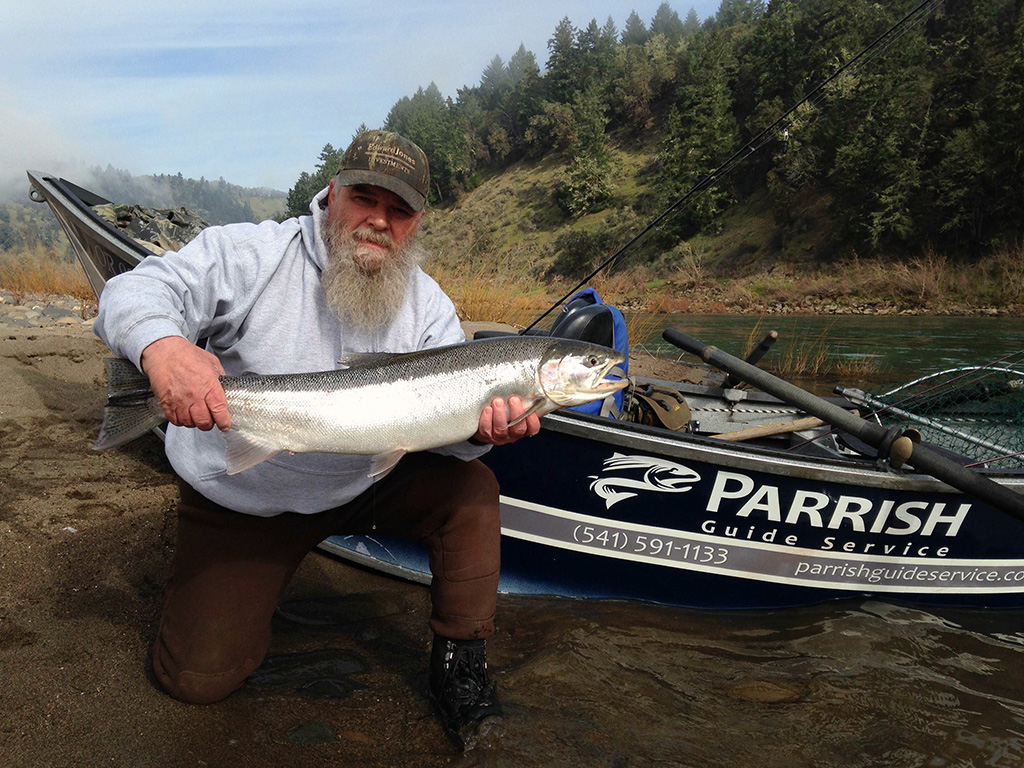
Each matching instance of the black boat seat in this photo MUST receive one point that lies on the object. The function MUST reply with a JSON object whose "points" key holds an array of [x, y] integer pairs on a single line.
{"points": [[590, 322]]}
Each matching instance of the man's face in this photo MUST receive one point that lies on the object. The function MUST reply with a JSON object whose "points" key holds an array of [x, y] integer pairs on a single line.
{"points": [[372, 243], [378, 220]]}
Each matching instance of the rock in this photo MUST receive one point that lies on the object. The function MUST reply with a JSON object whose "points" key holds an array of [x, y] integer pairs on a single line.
{"points": [[158, 229], [766, 692]]}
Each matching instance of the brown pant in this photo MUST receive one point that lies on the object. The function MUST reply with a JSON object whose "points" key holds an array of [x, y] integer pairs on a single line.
{"points": [[229, 569]]}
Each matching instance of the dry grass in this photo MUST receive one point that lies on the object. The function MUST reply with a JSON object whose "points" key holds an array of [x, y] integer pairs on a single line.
{"points": [[809, 358], [930, 283], [42, 270], [801, 357], [862, 368], [485, 297]]}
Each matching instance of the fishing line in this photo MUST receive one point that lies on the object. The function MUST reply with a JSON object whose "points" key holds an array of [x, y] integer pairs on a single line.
{"points": [[867, 54]]}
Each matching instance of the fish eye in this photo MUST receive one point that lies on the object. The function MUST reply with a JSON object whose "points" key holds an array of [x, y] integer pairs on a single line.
{"points": [[592, 360]]}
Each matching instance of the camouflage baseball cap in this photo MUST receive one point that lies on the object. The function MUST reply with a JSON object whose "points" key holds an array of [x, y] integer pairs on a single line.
{"points": [[387, 160]]}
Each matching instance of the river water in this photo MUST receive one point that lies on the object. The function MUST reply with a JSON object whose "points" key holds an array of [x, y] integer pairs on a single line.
{"points": [[858, 683], [901, 348], [855, 683]]}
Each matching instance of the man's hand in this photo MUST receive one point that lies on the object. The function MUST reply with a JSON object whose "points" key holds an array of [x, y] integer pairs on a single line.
{"points": [[185, 381], [494, 426]]}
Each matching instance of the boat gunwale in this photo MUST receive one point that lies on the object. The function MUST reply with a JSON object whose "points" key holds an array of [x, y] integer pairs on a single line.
{"points": [[842, 470], [70, 202]]}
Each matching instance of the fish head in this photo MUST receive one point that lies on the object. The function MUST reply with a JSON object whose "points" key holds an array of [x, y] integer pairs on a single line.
{"points": [[574, 372]]}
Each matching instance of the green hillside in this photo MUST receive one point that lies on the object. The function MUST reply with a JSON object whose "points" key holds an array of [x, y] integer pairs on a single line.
{"points": [[902, 177]]}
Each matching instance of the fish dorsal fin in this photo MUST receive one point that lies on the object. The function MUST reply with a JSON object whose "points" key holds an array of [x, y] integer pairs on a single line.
{"points": [[244, 452], [383, 463], [365, 359]]}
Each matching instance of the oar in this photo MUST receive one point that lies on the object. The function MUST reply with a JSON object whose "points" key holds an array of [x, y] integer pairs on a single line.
{"points": [[767, 430], [755, 355], [889, 442]]}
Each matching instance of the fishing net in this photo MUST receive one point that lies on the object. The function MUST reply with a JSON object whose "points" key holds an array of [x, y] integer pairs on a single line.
{"points": [[977, 412]]}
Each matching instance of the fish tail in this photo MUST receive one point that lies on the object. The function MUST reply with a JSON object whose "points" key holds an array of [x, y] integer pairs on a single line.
{"points": [[131, 410]]}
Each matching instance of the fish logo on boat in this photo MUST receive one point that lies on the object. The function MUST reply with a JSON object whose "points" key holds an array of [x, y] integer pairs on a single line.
{"points": [[660, 475]]}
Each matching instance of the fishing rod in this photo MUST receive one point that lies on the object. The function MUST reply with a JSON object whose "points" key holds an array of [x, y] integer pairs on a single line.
{"points": [[867, 54]]}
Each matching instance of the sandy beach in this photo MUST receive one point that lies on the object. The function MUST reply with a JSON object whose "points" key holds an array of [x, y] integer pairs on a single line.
{"points": [[85, 541]]}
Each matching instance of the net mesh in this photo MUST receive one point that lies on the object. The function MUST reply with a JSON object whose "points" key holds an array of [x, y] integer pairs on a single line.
{"points": [[976, 412]]}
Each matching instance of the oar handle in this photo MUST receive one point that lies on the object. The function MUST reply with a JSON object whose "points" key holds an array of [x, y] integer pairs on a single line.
{"points": [[887, 441]]}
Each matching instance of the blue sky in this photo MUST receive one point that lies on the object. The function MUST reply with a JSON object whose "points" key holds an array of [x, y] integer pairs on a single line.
{"points": [[249, 90]]}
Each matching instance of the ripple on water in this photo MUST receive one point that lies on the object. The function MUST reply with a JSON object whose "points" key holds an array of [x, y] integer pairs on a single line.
{"points": [[858, 683]]}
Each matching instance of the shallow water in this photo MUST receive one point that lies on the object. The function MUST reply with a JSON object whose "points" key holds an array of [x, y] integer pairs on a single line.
{"points": [[860, 683], [852, 683]]}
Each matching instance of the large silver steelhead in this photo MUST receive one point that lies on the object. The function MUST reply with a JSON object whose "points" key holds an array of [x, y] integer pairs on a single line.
{"points": [[383, 405]]}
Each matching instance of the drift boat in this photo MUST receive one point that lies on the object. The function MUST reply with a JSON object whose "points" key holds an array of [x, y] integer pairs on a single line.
{"points": [[750, 502]]}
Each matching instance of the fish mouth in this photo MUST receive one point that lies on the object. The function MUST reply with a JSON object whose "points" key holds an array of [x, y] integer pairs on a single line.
{"points": [[603, 384]]}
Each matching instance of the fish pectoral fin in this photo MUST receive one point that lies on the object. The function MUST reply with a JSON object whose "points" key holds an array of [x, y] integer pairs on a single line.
{"points": [[532, 409], [383, 463], [244, 451]]}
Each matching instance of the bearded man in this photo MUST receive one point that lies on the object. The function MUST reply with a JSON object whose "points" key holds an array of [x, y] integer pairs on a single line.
{"points": [[295, 297]]}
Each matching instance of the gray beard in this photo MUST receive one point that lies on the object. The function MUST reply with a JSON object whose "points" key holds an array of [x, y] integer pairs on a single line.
{"points": [[362, 288]]}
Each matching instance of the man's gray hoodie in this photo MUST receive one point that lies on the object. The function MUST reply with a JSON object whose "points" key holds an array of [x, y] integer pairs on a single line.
{"points": [[253, 292]]}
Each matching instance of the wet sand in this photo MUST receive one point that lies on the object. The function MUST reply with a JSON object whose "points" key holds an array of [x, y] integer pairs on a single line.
{"points": [[86, 538]]}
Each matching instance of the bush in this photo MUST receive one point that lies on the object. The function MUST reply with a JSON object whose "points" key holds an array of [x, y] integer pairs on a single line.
{"points": [[578, 252]]}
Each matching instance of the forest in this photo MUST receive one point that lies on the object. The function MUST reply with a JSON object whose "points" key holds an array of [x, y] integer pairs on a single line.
{"points": [[916, 148]]}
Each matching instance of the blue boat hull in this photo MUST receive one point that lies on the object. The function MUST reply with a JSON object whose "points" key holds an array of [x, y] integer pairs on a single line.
{"points": [[598, 509]]}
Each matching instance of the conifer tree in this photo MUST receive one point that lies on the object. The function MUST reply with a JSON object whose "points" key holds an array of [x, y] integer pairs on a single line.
{"points": [[635, 32], [691, 25], [308, 185], [699, 134], [667, 22], [562, 72]]}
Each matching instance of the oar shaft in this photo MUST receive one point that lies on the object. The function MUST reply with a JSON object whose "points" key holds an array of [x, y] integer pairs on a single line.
{"points": [[756, 354], [921, 457], [865, 430]]}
